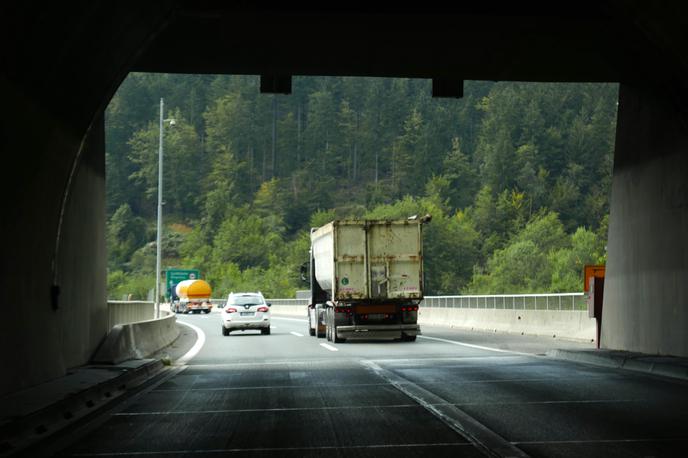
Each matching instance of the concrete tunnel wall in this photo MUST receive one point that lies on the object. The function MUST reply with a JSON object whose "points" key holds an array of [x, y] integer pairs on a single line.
{"points": [[646, 289], [43, 343], [61, 64]]}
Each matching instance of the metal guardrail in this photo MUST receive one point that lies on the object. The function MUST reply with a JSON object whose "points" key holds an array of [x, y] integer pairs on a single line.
{"points": [[561, 301], [558, 301], [287, 301], [124, 312]]}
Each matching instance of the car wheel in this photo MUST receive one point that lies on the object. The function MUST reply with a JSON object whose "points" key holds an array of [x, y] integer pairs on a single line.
{"points": [[265, 331], [206, 311], [225, 331]]}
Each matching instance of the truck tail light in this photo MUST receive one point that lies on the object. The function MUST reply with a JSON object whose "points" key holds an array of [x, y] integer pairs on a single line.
{"points": [[230, 310], [346, 310], [410, 308], [263, 309]]}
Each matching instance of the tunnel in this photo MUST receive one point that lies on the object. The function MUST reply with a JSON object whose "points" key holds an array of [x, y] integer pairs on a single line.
{"points": [[62, 63]]}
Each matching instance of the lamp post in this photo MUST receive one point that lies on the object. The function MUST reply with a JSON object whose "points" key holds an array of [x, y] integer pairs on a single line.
{"points": [[158, 243]]}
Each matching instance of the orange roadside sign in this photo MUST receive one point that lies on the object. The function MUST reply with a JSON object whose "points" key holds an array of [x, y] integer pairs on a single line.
{"points": [[591, 271]]}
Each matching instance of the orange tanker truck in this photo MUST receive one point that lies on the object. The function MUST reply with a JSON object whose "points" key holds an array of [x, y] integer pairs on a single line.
{"points": [[194, 297]]}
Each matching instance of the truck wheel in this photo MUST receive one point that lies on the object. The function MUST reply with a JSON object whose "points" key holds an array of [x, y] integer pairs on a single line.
{"points": [[336, 339], [225, 331], [407, 338], [328, 325], [311, 331]]}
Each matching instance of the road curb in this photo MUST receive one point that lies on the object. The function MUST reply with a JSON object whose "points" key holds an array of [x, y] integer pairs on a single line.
{"points": [[667, 366], [16, 434]]}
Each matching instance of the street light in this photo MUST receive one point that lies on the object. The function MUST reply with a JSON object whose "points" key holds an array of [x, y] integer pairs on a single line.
{"points": [[158, 245]]}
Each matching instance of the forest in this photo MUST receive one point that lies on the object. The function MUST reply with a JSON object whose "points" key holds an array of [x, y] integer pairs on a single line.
{"points": [[516, 176]]}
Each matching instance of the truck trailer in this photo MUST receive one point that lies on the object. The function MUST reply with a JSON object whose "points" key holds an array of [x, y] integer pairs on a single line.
{"points": [[194, 297], [366, 279]]}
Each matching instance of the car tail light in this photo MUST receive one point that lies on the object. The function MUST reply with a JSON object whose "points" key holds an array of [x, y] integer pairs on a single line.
{"points": [[263, 309], [230, 310]]}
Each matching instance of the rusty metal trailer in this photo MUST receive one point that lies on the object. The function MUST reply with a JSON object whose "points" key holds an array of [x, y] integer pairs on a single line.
{"points": [[366, 279]]}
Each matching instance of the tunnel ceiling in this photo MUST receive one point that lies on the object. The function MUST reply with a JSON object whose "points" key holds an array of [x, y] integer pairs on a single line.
{"points": [[71, 57], [528, 41]]}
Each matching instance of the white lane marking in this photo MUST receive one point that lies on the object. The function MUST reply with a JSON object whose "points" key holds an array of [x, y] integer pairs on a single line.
{"points": [[248, 363], [480, 347], [603, 441], [329, 347], [280, 409], [301, 320], [350, 407], [275, 387], [224, 451], [200, 341], [296, 334]]}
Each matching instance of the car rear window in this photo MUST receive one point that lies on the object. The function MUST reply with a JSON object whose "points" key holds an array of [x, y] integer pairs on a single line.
{"points": [[245, 300]]}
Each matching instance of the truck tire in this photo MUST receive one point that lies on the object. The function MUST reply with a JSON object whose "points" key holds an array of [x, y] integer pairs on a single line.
{"points": [[311, 331], [319, 334], [407, 338], [336, 339], [328, 325]]}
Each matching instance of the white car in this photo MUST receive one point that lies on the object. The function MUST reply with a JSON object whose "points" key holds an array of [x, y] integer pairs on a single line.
{"points": [[245, 311]]}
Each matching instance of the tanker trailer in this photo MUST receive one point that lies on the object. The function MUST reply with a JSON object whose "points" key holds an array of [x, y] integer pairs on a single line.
{"points": [[194, 296], [366, 279]]}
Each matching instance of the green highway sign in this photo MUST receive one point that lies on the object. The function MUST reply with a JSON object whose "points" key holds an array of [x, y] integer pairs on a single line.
{"points": [[174, 276]]}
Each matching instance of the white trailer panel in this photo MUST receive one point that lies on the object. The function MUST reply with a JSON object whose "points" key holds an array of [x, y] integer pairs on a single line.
{"points": [[369, 260]]}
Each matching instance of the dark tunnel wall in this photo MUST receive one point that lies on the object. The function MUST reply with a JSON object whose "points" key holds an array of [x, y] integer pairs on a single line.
{"points": [[60, 66], [61, 63]]}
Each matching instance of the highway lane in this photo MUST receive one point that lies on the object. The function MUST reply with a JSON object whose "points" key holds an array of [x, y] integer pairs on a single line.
{"points": [[447, 394]]}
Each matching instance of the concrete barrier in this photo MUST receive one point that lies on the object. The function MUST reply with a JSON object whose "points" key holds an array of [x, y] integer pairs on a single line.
{"points": [[567, 324], [123, 312], [564, 324], [290, 310], [137, 340]]}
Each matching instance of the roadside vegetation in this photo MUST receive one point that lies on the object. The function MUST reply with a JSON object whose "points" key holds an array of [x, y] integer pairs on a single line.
{"points": [[515, 175]]}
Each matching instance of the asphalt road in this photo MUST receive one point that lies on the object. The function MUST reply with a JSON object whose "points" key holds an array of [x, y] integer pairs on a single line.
{"points": [[450, 393]]}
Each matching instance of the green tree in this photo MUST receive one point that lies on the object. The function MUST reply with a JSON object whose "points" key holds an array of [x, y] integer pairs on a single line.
{"points": [[462, 177], [182, 170], [125, 233]]}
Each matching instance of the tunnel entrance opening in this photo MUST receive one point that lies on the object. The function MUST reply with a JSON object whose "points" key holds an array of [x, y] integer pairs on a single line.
{"points": [[517, 176], [63, 62]]}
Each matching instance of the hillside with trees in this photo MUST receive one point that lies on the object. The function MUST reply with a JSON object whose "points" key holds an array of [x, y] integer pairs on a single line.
{"points": [[516, 176]]}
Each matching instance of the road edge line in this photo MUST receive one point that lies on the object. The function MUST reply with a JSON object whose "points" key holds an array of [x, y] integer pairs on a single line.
{"points": [[200, 341]]}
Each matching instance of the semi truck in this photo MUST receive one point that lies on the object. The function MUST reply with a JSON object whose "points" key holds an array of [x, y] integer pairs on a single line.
{"points": [[366, 279], [194, 297]]}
